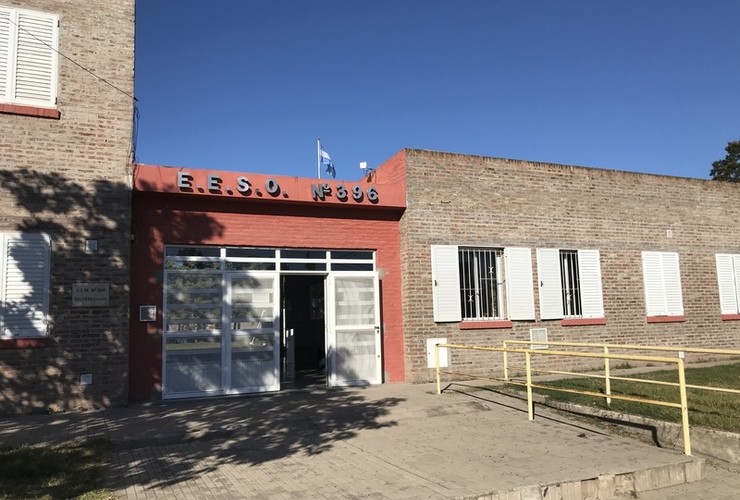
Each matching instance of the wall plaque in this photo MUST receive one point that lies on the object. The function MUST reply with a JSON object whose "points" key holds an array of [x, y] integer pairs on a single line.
{"points": [[90, 294]]}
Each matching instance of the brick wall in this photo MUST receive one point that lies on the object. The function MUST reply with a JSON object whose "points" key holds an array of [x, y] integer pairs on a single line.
{"points": [[70, 177], [491, 202]]}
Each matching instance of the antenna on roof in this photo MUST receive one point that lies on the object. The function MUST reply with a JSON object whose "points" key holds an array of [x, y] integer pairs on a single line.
{"points": [[366, 171]]}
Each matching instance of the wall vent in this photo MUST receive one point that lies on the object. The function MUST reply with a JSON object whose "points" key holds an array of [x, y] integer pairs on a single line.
{"points": [[538, 335]]}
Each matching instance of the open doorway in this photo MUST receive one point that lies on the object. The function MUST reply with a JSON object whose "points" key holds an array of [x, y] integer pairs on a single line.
{"points": [[304, 340]]}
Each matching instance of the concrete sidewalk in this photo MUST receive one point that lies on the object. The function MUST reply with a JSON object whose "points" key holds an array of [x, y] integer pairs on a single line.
{"points": [[395, 441]]}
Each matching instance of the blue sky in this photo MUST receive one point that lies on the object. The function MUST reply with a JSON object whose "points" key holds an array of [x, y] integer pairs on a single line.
{"points": [[247, 85]]}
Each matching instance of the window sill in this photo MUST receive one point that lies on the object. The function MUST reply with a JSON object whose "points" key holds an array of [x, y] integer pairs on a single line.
{"points": [[28, 343], [481, 325], [583, 321], [16, 109], [730, 317], [666, 319]]}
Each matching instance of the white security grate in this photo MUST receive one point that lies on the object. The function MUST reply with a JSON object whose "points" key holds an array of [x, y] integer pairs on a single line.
{"points": [[571, 283], [481, 293]]}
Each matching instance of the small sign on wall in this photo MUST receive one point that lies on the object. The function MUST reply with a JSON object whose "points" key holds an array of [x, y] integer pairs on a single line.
{"points": [[90, 294]]}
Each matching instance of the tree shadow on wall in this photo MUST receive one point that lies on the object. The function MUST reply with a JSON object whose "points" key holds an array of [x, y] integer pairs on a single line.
{"points": [[44, 374], [200, 435]]}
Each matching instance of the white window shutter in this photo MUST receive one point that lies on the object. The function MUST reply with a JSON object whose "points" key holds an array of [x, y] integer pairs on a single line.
{"points": [[736, 269], [727, 285], [672, 278], [519, 291], [6, 44], [589, 272], [25, 290], [663, 296], [446, 284], [36, 59], [548, 274], [652, 273]]}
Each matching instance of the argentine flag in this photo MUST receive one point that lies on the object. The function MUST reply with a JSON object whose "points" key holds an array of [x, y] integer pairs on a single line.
{"points": [[326, 160]]}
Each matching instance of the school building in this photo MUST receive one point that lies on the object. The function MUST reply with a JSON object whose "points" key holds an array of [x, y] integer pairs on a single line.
{"points": [[125, 282]]}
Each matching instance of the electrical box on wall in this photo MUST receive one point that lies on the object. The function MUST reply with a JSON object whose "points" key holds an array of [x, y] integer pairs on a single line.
{"points": [[147, 313], [443, 353]]}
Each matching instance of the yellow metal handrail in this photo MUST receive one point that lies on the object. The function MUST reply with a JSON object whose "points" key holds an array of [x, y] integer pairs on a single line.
{"points": [[608, 378], [683, 405]]}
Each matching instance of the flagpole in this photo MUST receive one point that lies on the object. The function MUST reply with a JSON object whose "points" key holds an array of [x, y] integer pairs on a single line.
{"points": [[318, 156]]}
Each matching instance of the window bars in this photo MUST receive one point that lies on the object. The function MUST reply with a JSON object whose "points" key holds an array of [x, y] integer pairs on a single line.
{"points": [[481, 286], [571, 283]]}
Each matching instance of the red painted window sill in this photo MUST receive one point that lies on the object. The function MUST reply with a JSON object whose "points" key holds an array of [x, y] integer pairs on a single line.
{"points": [[15, 109], [666, 319], [24, 343], [730, 317], [480, 325], [583, 321]]}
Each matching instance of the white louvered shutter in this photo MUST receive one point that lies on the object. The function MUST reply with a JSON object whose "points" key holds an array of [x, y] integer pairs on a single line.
{"points": [[5, 52], [589, 272], [652, 273], [672, 277], [548, 274], [446, 284], [35, 78], [662, 278], [727, 282], [519, 291], [25, 285], [736, 269]]}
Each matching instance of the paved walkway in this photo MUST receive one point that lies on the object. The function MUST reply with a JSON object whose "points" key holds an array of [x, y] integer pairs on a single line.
{"points": [[395, 441]]}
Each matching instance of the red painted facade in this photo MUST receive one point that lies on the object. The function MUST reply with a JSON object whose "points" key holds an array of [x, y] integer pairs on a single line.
{"points": [[198, 207]]}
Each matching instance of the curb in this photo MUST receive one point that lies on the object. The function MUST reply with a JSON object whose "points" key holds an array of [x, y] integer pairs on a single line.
{"points": [[628, 484]]}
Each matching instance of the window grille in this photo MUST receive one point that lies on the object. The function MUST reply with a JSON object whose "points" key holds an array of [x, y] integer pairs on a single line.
{"points": [[571, 283], [481, 286]]}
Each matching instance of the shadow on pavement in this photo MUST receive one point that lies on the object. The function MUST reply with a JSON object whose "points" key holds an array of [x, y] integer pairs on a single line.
{"points": [[187, 438]]}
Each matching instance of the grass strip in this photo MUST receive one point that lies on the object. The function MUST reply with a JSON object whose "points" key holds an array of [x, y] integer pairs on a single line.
{"points": [[74, 470], [716, 410]]}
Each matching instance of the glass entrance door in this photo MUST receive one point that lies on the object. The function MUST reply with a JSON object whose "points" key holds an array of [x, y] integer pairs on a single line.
{"points": [[192, 347], [252, 346], [222, 318], [353, 333], [222, 333]]}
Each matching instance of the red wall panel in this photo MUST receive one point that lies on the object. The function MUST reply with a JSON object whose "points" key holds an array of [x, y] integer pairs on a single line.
{"points": [[162, 218]]}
